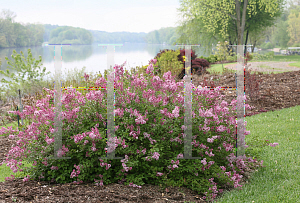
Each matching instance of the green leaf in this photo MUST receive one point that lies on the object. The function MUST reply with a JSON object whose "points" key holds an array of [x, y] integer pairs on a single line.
{"points": [[4, 81]]}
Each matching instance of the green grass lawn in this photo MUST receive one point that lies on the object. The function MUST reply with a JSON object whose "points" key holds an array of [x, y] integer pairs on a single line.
{"points": [[5, 170], [286, 58], [277, 182], [13, 124]]}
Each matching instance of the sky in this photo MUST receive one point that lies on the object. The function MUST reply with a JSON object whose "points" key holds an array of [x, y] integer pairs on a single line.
{"points": [[104, 15]]}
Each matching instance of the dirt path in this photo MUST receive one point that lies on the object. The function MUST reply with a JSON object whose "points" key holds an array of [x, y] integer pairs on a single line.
{"points": [[275, 67]]}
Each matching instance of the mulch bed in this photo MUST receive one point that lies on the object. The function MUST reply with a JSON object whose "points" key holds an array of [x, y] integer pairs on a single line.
{"points": [[278, 91], [44, 191]]}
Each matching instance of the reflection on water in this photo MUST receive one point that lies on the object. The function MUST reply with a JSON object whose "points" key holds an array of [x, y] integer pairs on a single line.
{"points": [[93, 57]]}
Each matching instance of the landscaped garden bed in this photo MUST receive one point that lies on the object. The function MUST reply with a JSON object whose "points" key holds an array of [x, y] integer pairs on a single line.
{"points": [[277, 91]]}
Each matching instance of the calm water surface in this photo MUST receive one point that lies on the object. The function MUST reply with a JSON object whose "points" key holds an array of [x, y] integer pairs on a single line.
{"points": [[93, 57]]}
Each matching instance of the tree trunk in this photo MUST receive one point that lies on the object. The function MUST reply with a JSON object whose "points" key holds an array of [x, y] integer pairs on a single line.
{"points": [[230, 48], [245, 50], [241, 21], [253, 46], [238, 20]]}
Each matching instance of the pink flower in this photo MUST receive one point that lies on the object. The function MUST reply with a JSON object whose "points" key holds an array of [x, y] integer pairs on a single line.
{"points": [[149, 69], [274, 144], [11, 136], [26, 179], [92, 136], [155, 155], [175, 112], [159, 174], [86, 76], [211, 140], [140, 120], [204, 161]]}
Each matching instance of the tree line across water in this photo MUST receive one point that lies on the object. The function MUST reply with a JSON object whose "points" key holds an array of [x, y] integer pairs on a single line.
{"points": [[13, 34]]}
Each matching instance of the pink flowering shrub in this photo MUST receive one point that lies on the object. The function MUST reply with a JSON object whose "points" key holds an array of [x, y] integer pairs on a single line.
{"points": [[149, 134]]}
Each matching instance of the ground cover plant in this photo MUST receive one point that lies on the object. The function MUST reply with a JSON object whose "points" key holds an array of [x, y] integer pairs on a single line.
{"points": [[246, 136]]}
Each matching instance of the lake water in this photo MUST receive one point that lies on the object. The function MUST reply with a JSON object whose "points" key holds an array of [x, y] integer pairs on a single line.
{"points": [[93, 57]]}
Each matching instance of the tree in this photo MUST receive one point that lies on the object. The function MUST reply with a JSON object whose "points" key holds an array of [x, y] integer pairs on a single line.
{"points": [[282, 34], [257, 25], [254, 24], [35, 34], [260, 22], [24, 66], [257, 36], [2, 40], [14, 34], [8, 15], [192, 31], [70, 35], [7, 29], [156, 35], [167, 35], [218, 14], [21, 35], [278, 33], [48, 29], [294, 27], [7, 36], [292, 3]]}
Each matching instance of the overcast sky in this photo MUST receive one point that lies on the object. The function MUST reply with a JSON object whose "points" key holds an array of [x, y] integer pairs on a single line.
{"points": [[103, 15]]}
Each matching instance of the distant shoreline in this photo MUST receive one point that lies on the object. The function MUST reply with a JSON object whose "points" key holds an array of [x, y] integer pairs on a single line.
{"points": [[94, 43]]}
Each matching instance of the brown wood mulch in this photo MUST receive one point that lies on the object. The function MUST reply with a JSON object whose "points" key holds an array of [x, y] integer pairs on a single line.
{"points": [[278, 91]]}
